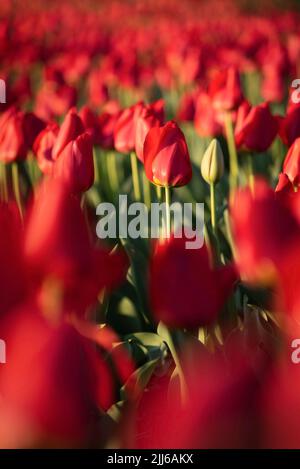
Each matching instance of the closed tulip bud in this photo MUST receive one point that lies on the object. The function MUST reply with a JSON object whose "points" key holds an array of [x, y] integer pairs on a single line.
{"points": [[212, 164]]}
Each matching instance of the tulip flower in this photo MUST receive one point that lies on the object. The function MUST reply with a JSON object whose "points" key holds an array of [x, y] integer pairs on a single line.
{"points": [[43, 146], [75, 166], [17, 133], [206, 117], [125, 127], [144, 123], [225, 90], [202, 291], [289, 127], [261, 246], [255, 130], [58, 247], [107, 122], [291, 165], [70, 129], [58, 404], [166, 156]]}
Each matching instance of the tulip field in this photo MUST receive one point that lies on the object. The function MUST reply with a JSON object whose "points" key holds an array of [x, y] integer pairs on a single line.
{"points": [[116, 333]]}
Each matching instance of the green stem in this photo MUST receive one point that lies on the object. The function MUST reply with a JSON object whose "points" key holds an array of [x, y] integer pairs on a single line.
{"points": [[213, 206], [112, 171], [4, 182], [96, 166], [135, 176], [146, 191], [16, 187], [233, 158], [158, 193], [213, 218], [250, 172], [168, 214]]}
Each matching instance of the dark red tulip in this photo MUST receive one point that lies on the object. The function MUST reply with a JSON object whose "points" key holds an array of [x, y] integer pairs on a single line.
{"points": [[291, 165], [17, 133], [43, 146], [13, 276], [289, 125], [107, 122], [225, 90], [166, 156], [75, 165], [255, 130], [202, 291], [187, 108]]}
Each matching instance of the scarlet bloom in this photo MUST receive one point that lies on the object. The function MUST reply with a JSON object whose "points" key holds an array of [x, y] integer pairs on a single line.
{"points": [[43, 146], [124, 130], [66, 153], [255, 130], [289, 126], [206, 119], [107, 122], [199, 296], [59, 247], [75, 166], [291, 165], [166, 156], [151, 116], [225, 90], [17, 133], [70, 129], [263, 230]]}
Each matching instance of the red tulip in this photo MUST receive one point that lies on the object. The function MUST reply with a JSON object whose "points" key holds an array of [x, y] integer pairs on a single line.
{"points": [[289, 126], [13, 278], [57, 403], [291, 165], [146, 120], [225, 90], [124, 130], [255, 130], [70, 129], [206, 119], [187, 108], [54, 100], [166, 156], [17, 133], [43, 146], [90, 122], [202, 291], [75, 165], [263, 231], [58, 247]]}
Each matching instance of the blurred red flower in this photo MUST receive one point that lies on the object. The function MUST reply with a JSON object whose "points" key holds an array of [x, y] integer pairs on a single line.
{"points": [[256, 129], [198, 298]]}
